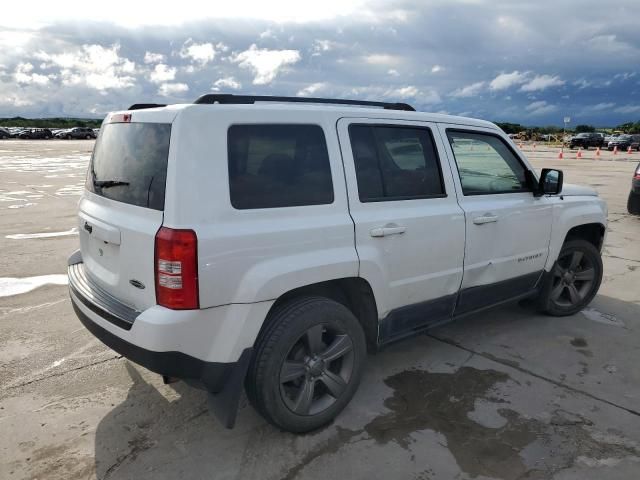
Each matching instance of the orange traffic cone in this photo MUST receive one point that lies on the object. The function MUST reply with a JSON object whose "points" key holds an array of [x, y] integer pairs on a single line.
{"points": [[615, 150], [598, 152], [579, 154], [560, 156], [534, 146], [629, 150]]}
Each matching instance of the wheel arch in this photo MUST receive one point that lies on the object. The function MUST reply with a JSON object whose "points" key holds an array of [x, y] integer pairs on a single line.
{"points": [[355, 293]]}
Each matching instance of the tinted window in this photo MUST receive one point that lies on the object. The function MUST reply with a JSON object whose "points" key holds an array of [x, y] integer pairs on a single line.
{"points": [[135, 153], [395, 163], [486, 165], [278, 166]]}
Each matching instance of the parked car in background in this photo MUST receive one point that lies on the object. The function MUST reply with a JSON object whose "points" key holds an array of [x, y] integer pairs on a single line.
{"points": [[62, 133], [623, 142], [633, 203], [79, 132], [586, 140], [4, 133], [15, 131], [36, 134]]}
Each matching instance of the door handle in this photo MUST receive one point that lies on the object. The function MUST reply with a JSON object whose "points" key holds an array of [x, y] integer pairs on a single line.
{"points": [[387, 230], [485, 219]]}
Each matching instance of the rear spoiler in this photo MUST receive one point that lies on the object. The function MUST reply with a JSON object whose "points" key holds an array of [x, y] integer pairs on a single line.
{"points": [[142, 106]]}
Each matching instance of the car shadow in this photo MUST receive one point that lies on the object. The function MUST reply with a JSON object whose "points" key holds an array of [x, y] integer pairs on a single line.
{"points": [[165, 431]]}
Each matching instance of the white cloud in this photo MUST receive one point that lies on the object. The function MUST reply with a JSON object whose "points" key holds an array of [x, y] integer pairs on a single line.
{"points": [[226, 82], [162, 73], [610, 44], [23, 75], [428, 96], [628, 109], [436, 69], [393, 72], [201, 53], [95, 66], [265, 64], [150, 57], [542, 82], [540, 107], [469, 90], [582, 83], [506, 80], [311, 89], [382, 59], [599, 107], [323, 45], [169, 89], [624, 76]]}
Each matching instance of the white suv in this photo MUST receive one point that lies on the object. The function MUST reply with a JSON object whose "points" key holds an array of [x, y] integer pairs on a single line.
{"points": [[271, 242]]}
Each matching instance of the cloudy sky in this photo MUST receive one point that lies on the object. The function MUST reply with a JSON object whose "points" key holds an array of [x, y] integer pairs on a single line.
{"points": [[523, 61]]}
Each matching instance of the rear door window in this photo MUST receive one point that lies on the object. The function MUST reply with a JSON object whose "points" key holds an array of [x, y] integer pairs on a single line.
{"points": [[278, 166], [395, 163], [129, 163]]}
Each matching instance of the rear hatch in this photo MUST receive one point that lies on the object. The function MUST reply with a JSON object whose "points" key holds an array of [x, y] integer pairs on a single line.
{"points": [[123, 205]]}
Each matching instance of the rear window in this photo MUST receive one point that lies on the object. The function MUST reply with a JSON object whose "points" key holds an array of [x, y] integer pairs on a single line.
{"points": [[129, 163], [278, 166]]}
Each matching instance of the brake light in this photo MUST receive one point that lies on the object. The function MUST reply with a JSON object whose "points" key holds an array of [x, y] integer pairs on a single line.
{"points": [[176, 269]]}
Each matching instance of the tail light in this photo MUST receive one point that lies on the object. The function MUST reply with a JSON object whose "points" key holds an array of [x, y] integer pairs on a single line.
{"points": [[176, 269]]}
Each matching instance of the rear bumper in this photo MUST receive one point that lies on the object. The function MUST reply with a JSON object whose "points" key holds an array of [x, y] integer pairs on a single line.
{"points": [[212, 375], [209, 348]]}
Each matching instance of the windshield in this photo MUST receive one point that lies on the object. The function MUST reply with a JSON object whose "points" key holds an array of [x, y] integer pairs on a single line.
{"points": [[582, 135], [129, 163]]}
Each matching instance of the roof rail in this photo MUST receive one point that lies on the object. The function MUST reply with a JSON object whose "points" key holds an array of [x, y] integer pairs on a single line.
{"points": [[142, 106], [226, 98]]}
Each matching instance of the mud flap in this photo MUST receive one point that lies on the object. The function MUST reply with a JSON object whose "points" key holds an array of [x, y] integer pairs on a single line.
{"points": [[224, 404]]}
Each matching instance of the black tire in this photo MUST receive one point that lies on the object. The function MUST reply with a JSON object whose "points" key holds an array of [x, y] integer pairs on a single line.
{"points": [[573, 281], [586, 147], [633, 203], [283, 350], [88, 137], [68, 137]]}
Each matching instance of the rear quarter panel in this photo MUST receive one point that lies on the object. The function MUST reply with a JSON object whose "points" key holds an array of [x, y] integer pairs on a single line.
{"points": [[255, 255]]}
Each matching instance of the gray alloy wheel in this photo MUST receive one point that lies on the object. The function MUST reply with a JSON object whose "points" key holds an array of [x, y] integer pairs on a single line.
{"points": [[317, 370], [307, 363], [574, 279]]}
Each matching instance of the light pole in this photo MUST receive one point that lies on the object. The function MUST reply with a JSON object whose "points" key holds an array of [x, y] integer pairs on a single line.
{"points": [[564, 129]]}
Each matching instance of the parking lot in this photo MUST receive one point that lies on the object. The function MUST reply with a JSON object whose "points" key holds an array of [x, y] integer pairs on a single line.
{"points": [[505, 394]]}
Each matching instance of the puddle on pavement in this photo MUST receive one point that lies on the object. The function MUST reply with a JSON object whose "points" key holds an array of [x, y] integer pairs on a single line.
{"points": [[515, 447], [26, 236], [15, 286]]}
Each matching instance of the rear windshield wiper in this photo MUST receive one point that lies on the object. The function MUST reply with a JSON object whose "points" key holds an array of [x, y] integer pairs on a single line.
{"points": [[108, 183]]}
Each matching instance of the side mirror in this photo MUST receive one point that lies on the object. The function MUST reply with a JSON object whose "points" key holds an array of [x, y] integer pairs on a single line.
{"points": [[550, 182]]}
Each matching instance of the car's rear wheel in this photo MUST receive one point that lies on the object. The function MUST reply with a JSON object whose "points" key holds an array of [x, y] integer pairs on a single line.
{"points": [[88, 137], [633, 203], [586, 147], [574, 279], [307, 364]]}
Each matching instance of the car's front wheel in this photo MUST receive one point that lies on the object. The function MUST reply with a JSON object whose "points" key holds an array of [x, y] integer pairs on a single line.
{"points": [[574, 279], [307, 364]]}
